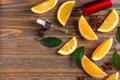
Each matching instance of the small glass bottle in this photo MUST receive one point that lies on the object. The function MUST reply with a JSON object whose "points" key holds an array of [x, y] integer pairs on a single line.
{"points": [[49, 25]]}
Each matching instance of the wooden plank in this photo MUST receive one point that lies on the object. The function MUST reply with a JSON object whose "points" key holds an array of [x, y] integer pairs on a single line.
{"points": [[22, 57]]}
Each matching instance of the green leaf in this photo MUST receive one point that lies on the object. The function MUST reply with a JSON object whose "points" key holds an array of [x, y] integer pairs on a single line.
{"points": [[77, 55], [118, 35], [116, 59], [51, 42]]}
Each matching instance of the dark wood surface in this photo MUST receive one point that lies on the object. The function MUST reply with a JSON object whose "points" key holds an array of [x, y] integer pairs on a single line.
{"points": [[22, 57]]}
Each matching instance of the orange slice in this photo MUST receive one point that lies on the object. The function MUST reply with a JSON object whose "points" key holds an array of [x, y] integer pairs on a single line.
{"points": [[86, 30], [69, 47], [45, 6], [114, 76], [110, 22], [91, 68], [102, 49], [64, 11]]}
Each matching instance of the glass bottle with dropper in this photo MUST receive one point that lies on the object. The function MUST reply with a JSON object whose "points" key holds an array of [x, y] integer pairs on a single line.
{"points": [[92, 7], [49, 25]]}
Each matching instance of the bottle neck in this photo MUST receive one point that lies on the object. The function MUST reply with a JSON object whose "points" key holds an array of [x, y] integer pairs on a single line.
{"points": [[77, 11]]}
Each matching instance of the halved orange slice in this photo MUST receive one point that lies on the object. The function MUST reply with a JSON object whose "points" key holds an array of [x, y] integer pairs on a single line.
{"points": [[91, 68], [86, 30], [64, 11], [69, 47], [45, 6], [114, 76], [110, 22], [102, 49]]}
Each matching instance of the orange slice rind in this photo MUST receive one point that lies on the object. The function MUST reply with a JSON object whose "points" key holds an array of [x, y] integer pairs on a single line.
{"points": [[102, 49], [44, 7], [86, 30], [69, 47], [91, 68], [64, 11], [114, 76], [110, 22]]}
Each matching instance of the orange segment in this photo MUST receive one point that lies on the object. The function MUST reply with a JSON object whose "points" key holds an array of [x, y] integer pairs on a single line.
{"points": [[102, 49], [65, 11], [69, 47], [91, 68], [86, 30], [44, 7], [110, 22], [114, 76]]}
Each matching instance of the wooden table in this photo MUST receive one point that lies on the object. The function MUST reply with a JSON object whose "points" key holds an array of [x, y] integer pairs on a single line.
{"points": [[22, 57]]}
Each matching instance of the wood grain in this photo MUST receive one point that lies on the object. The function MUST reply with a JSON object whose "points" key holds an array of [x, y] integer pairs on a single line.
{"points": [[22, 57]]}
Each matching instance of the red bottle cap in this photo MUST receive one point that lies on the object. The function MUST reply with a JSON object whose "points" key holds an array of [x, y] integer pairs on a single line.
{"points": [[96, 6]]}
